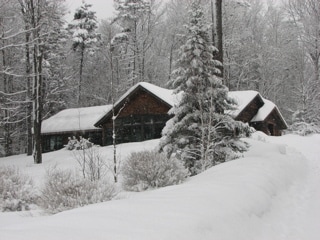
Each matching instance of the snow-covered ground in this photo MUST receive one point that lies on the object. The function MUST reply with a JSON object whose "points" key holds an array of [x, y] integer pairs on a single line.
{"points": [[273, 192]]}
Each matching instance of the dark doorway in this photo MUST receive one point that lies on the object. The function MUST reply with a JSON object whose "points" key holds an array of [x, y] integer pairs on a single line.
{"points": [[271, 129]]}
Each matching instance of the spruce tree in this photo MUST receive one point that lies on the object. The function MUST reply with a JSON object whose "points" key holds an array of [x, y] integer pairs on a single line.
{"points": [[200, 133]]}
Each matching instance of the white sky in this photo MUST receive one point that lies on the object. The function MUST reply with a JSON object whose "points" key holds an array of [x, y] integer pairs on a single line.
{"points": [[103, 8]]}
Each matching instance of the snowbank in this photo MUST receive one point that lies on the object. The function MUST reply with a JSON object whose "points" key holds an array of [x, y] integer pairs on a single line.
{"points": [[235, 200]]}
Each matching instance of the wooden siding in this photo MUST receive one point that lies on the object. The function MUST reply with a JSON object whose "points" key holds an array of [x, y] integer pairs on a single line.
{"points": [[141, 103], [142, 116], [272, 125], [250, 110]]}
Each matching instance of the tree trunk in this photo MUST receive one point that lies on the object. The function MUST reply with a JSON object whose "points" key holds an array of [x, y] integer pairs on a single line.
{"points": [[37, 84], [37, 105], [28, 95], [135, 57], [213, 32], [7, 140], [170, 62], [79, 100], [219, 40], [113, 123]]}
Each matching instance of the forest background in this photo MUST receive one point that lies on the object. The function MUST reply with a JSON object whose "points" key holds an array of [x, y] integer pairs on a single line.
{"points": [[47, 64]]}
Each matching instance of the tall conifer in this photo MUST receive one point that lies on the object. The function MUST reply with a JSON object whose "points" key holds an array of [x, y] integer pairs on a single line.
{"points": [[200, 133]]}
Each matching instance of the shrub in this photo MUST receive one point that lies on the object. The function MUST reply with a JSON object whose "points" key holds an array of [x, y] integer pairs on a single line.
{"points": [[82, 143], [17, 191], [150, 169], [303, 128], [91, 162], [65, 190]]}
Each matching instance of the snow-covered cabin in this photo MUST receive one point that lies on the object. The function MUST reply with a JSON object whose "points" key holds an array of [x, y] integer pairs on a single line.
{"points": [[71, 122], [142, 113], [260, 113]]}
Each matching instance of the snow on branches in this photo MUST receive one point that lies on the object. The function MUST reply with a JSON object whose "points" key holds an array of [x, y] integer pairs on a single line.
{"points": [[200, 133]]}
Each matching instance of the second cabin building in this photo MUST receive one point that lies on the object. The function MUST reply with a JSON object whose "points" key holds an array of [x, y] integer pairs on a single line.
{"points": [[141, 114]]}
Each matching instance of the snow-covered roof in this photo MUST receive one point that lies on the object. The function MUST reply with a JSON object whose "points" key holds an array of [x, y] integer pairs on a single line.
{"points": [[164, 94], [242, 98], [265, 110], [80, 119], [74, 119]]}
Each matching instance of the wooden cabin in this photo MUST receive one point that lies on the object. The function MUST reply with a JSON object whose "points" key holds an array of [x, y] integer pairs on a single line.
{"points": [[269, 119], [248, 105], [141, 114], [74, 122], [260, 113]]}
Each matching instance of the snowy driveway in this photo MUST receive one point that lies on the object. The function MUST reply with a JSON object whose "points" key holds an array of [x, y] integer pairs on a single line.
{"points": [[297, 215]]}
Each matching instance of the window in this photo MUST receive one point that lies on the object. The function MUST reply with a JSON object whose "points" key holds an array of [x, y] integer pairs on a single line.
{"points": [[51, 143], [136, 128], [95, 137]]}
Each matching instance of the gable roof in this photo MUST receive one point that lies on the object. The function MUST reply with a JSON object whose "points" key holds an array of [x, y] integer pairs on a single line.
{"points": [[163, 94], [264, 112], [74, 119], [166, 95], [243, 99], [90, 118]]}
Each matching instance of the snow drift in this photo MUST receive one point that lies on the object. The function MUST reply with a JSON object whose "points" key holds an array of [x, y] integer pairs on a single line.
{"points": [[234, 200]]}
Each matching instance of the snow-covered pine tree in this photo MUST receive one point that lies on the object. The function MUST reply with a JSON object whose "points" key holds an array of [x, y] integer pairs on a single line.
{"points": [[84, 36], [200, 133]]}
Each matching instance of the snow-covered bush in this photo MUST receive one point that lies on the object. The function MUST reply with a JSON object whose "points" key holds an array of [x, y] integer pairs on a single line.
{"points": [[82, 143], [150, 169], [17, 191], [65, 190], [303, 128], [259, 136]]}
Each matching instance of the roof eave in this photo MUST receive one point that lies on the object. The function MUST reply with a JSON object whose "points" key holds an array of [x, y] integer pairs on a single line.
{"points": [[123, 99], [284, 124], [249, 103]]}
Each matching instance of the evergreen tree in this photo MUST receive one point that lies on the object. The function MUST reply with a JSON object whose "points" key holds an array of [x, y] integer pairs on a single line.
{"points": [[83, 29], [200, 133]]}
